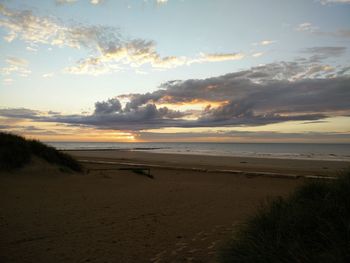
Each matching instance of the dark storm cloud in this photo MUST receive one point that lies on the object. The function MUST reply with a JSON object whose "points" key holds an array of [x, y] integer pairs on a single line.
{"points": [[245, 103], [107, 116], [289, 97], [221, 88], [272, 93], [240, 84], [108, 107]]}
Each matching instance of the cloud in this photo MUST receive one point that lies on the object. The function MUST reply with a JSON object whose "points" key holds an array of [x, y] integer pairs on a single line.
{"points": [[161, 1], [217, 57], [272, 93], [342, 33], [326, 51], [325, 2], [61, 2], [314, 66], [108, 48], [285, 100], [257, 54], [48, 75], [321, 53], [148, 115], [15, 67], [29, 130], [306, 27], [309, 28], [32, 49], [92, 66], [96, 2], [108, 107], [7, 81], [267, 42], [20, 62], [138, 52], [303, 90], [36, 30], [19, 113], [264, 42]]}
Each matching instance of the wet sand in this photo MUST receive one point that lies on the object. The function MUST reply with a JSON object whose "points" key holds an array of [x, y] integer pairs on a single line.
{"points": [[122, 216]]}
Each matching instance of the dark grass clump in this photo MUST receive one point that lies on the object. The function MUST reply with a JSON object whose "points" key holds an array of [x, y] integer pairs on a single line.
{"points": [[312, 225], [15, 152], [51, 155]]}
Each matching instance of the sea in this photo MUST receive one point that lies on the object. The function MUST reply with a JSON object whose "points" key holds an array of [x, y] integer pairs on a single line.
{"points": [[336, 152]]}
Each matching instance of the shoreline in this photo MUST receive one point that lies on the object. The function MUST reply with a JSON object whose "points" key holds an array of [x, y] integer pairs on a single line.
{"points": [[230, 164], [267, 156]]}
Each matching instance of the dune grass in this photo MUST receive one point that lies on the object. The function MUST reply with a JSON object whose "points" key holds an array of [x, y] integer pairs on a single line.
{"points": [[16, 151], [312, 225]]}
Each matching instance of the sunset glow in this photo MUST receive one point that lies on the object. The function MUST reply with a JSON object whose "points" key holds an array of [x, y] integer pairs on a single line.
{"points": [[130, 71]]}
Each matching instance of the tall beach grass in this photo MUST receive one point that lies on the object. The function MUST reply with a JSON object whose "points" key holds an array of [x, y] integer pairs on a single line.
{"points": [[16, 152], [312, 225]]}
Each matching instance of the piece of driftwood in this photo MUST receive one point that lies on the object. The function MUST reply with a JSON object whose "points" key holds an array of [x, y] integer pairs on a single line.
{"points": [[139, 170]]}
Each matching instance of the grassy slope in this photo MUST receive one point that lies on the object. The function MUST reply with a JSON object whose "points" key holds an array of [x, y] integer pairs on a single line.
{"points": [[15, 152], [312, 225]]}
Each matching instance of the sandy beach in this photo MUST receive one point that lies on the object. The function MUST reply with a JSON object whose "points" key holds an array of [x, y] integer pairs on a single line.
{"points": [[293, 167], [182, 215]]}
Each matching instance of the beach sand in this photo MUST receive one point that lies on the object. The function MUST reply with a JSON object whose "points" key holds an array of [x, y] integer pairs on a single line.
{"points": [[181, 215], [218, 163]]}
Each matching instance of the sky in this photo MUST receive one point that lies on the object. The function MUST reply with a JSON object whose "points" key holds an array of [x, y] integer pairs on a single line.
{"points": [[176, 70]]}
